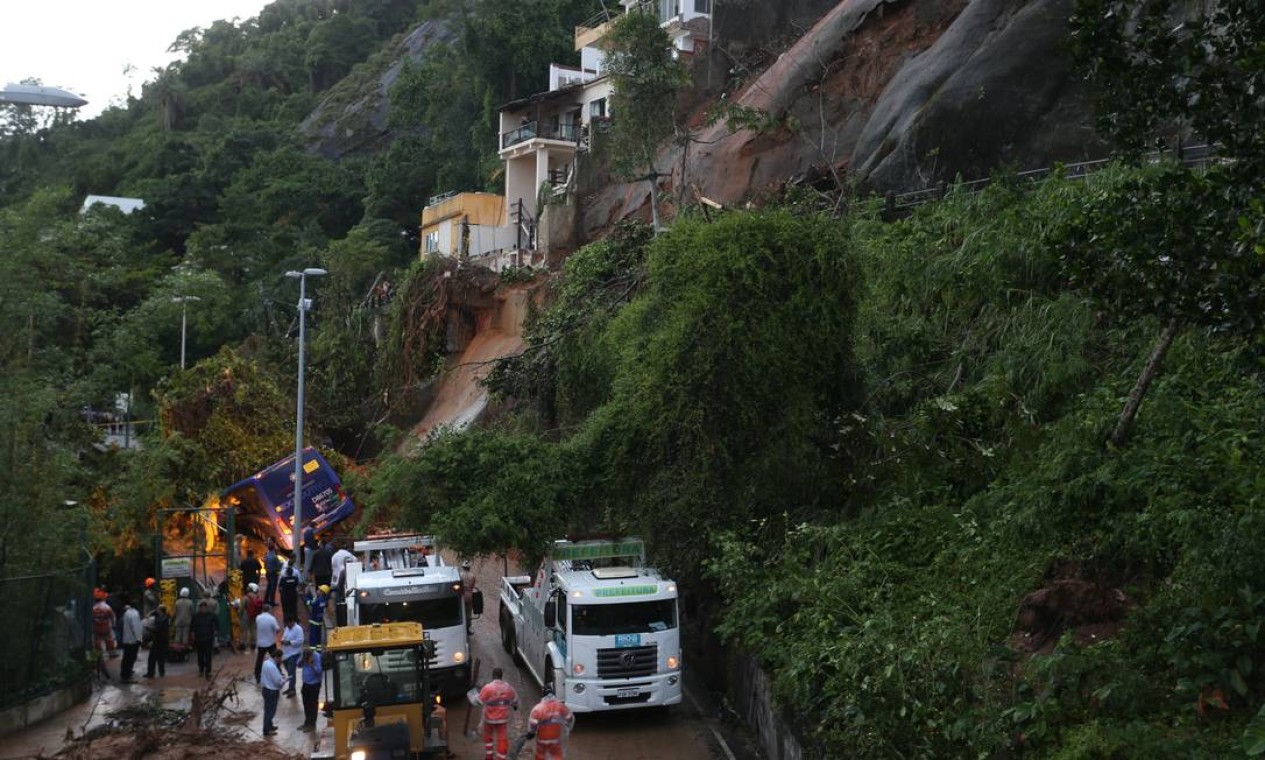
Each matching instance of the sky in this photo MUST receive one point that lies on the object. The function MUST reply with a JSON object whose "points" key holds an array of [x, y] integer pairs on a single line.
{"points": [[85, 45]]}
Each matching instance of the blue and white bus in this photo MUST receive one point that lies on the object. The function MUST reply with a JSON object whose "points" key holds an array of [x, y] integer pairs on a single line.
{"points": [[265, 500]]}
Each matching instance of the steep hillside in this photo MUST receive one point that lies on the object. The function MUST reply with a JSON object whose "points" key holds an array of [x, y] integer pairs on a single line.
{"points": [[352, 117], [892, 94]]}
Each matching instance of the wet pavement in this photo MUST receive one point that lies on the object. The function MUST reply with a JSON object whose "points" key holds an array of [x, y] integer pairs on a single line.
{"points": [[174, 691], [686, 732]]}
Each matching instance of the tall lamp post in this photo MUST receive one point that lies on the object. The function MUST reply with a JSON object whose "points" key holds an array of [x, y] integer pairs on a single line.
{"points": [[296, 534], [184, 320]]}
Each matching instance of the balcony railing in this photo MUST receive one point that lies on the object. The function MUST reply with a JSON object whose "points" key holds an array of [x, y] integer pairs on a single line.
{"points": [[531, 131]]}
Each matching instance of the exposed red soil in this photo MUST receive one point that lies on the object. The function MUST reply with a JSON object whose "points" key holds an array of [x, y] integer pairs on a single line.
{"points": [[1092, 612]]}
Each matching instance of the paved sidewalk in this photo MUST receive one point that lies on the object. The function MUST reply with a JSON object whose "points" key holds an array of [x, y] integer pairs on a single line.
{"points": [[173, 691]]}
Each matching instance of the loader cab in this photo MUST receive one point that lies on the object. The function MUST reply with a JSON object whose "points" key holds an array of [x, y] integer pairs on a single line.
{"points": [[380, 693]]}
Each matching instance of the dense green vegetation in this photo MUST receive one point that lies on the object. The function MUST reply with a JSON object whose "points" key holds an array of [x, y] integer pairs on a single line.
{"points": [[234, 197], [862, 445]]}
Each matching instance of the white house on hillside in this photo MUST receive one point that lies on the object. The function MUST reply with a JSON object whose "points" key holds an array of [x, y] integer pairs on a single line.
{"points": [[542, 134]]}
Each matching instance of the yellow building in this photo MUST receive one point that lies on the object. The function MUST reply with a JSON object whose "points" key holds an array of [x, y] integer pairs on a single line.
{"points": [[465, 224]]}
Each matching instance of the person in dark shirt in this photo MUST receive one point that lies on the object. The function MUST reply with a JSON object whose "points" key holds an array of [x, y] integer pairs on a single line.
{"points": [[323, 565], [272, 564], [206, 628], [158, 648], [289, 585], [251, 568]]}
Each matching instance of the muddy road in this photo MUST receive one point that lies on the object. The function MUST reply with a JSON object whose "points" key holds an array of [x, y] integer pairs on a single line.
{"points": [[676, 733]]}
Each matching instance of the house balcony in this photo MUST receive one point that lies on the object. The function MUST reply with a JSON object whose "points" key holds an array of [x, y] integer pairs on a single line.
{"points": [[568, 134]]}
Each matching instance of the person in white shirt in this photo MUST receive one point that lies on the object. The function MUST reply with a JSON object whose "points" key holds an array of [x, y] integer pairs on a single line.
{"points": [[339, 562], [270, 684], [133, 635], [266, 630], [291, 647]]}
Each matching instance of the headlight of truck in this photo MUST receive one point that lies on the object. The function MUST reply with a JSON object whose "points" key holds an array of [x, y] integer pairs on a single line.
{"points": [[674, 662], [578, 669], [458, 656], [358, 754]]}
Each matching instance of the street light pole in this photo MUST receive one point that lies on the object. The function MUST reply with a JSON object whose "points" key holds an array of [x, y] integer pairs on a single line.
{"points": [[296, 529], [184, 314]]}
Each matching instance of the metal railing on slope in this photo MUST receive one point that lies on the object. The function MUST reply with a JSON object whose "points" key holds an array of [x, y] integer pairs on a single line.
{"points": [[1189, 155]]}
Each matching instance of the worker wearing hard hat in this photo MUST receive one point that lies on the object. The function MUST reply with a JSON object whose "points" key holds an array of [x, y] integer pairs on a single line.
{"points": [[183, 617], [149, 600]]}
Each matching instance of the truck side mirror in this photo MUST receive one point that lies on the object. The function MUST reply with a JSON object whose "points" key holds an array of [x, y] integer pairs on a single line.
{"points": [[476, 602], [551, 613]]}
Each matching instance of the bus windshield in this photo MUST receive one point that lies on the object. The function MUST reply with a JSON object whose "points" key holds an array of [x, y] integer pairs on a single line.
{"points": [[431, 613], [635, 617]]}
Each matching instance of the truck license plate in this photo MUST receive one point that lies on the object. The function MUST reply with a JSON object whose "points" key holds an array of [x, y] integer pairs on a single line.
{"points": [[622, 693], [627, 640]]}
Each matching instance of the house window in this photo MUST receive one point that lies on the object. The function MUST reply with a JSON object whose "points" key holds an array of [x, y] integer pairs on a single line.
{"points": [[597, 109], [702, 6], [432, 243]]}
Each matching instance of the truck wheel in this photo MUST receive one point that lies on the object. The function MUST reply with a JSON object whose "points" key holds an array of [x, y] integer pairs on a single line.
{"points": [[553, 682], [507, 638]]}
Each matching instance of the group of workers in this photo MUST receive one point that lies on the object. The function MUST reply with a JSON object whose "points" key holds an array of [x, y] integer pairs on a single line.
{"points": [[549, 723]]}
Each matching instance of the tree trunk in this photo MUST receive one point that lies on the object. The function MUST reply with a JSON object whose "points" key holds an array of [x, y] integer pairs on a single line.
{"points": [[1124, 428]]}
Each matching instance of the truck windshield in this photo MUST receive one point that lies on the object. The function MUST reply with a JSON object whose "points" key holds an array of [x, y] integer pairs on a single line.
{"points": [[387, 677], [634, 617], [431, 613]]}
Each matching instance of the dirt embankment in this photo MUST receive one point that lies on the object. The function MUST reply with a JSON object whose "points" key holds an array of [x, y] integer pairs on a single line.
{"points": [[460, 398]]}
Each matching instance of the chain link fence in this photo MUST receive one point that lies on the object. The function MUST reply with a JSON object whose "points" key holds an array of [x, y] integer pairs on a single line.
{"points": [[47, 633]]}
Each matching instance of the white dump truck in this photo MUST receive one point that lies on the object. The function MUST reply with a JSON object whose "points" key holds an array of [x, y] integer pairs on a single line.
{"points": [[402, 578], [598, 625]]}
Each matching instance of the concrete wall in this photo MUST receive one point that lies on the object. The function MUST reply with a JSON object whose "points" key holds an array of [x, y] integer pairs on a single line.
{"points": [[752, 695], [558, 226], [42, 708]]}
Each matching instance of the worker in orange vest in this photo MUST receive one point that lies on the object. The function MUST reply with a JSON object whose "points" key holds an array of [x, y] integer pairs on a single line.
{"points": [[497, 698], [550, 724]]}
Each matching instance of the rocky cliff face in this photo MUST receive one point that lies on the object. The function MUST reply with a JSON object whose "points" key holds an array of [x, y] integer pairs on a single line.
{"points": [[352, 118], [893, 94]]}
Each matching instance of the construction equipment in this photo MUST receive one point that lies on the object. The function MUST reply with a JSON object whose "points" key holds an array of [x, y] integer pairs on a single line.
{"points": [[379, 686]]}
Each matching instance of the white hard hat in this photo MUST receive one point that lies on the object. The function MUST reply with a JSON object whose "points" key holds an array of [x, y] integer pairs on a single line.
{"points": [[184, 593], [252, 587]]}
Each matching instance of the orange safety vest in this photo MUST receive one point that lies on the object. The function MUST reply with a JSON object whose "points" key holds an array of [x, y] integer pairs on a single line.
{"points": [[497, 698], [551, 719]]}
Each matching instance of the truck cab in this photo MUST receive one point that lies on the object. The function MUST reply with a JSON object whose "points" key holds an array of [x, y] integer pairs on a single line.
{"points": [[598, 625], [403, 578]]}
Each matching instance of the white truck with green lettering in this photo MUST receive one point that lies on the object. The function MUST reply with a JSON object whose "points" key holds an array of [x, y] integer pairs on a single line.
{"points": [[598, 624]]}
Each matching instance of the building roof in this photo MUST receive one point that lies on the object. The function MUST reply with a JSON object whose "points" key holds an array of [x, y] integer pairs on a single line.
{"points": [[126, 205], [562, 93]]}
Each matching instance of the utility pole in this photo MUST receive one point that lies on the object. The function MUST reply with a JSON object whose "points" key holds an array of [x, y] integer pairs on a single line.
{"points": [[296, 534], [184, 314]]}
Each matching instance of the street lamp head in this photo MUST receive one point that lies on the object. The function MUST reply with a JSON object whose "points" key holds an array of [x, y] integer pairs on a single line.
{"points": [[309, 272], [184, 299]]}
